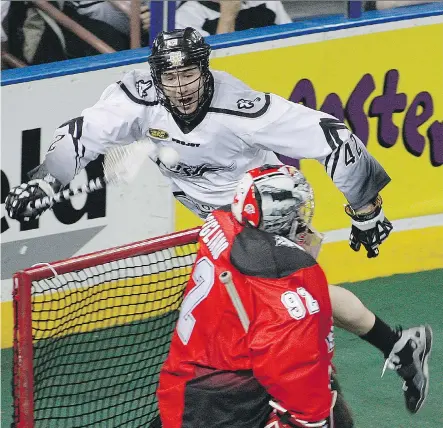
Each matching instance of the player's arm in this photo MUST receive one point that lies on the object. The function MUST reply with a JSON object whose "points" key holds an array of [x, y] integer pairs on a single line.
{"points": [[299, 132], [111, 121], [288, 347]]}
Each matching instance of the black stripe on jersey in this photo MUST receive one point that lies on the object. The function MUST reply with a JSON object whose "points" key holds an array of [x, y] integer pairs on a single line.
{"points": [[79, 127], [75, 141], [328, 158], [334, 163], [330, 128], [133, 98], [75, 126], [259, 113], [78, 131], [75, 129]]}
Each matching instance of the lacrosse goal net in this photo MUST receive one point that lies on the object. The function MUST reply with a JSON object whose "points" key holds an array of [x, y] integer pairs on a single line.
{"points": [[92, 332]]}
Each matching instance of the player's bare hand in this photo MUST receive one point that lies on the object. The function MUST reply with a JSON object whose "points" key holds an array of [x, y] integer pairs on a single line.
{"points": [[145, 16], [228, 14], [230, 8]]}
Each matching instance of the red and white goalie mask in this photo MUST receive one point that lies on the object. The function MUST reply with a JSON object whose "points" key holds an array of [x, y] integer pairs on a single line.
{"points": [[276, 199]]}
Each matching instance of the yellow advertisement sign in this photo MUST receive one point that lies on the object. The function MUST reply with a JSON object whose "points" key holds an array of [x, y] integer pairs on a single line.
{"points": [[388, 87], [389, 90]]}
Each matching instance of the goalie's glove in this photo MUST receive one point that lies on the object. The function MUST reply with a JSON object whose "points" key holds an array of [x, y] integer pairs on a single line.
{"points": [[18, 200], [369, 229]]}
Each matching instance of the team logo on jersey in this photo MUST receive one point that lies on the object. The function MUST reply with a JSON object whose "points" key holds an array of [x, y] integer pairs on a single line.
{"points": [[198, 170], [158, 133], [143, 87], [247, 104]]}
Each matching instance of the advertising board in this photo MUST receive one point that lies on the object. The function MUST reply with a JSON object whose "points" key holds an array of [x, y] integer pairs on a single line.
{"points": [[376, 76]]}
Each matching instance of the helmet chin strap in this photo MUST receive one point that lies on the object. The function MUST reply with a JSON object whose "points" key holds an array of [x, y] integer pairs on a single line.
{"points": [[313, 241], [292, 235]]}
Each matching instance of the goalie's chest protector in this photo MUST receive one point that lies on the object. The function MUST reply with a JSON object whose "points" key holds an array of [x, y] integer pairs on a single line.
{"points": [[214, 153]]}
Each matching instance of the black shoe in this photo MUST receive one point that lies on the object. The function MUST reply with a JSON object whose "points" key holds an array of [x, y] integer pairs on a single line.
{"points": [[409, 357]]}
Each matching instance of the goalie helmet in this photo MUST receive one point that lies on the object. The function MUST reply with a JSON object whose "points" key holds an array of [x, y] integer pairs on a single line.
{"points": [[173, 52], [276, 199]]}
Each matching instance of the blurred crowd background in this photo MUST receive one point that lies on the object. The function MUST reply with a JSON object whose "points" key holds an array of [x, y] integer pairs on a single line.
{"points": [[37, 32]]}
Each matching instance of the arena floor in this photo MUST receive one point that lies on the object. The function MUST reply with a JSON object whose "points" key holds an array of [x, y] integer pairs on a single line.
{"points": [[376, 402]]}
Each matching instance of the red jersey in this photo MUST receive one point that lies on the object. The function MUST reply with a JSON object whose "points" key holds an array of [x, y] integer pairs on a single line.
{"points": [[219, 375]]}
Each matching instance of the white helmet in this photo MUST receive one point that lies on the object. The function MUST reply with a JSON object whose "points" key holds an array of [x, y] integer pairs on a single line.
{"points": [[276, 199]]}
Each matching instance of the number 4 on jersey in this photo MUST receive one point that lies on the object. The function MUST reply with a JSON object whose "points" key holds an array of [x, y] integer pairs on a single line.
{"points": [[297, 307]]}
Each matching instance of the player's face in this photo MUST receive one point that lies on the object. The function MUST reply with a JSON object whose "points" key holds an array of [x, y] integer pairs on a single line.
{"points": [[183, 87]]}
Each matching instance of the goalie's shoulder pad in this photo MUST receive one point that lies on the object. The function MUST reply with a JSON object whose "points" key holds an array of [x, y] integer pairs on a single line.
{"points": [[258, 253], [138, 86]]}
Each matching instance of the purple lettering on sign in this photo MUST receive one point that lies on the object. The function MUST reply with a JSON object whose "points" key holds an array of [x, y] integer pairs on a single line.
{"points": [[304, 92], [333, 105], [384, 106], [412, 139], [289, 161], [435, 135], [355, 113]]}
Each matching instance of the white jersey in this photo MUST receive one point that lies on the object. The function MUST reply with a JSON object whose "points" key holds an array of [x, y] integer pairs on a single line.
{"points": [[241, 129]]}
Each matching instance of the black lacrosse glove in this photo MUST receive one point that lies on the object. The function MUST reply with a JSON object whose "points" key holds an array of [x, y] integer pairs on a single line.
{"points": [[369, 229], [18, 199]]}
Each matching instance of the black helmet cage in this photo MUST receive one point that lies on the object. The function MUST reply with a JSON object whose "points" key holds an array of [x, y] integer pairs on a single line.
{"points": [[173, 50]]}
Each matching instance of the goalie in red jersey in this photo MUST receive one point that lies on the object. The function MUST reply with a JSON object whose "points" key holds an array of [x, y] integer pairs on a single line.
{"points": [[254, 341]]}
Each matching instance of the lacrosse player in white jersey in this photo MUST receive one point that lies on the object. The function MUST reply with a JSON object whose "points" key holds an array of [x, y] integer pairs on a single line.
{"points": [[220, 129]]}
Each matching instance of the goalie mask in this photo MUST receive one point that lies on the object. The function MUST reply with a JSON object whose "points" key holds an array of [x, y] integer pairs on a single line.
{"points": [[180, 69], [276, 199]]}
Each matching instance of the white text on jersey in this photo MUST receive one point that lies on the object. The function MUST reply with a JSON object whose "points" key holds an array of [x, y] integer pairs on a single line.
{"points": [[213, 237]]}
